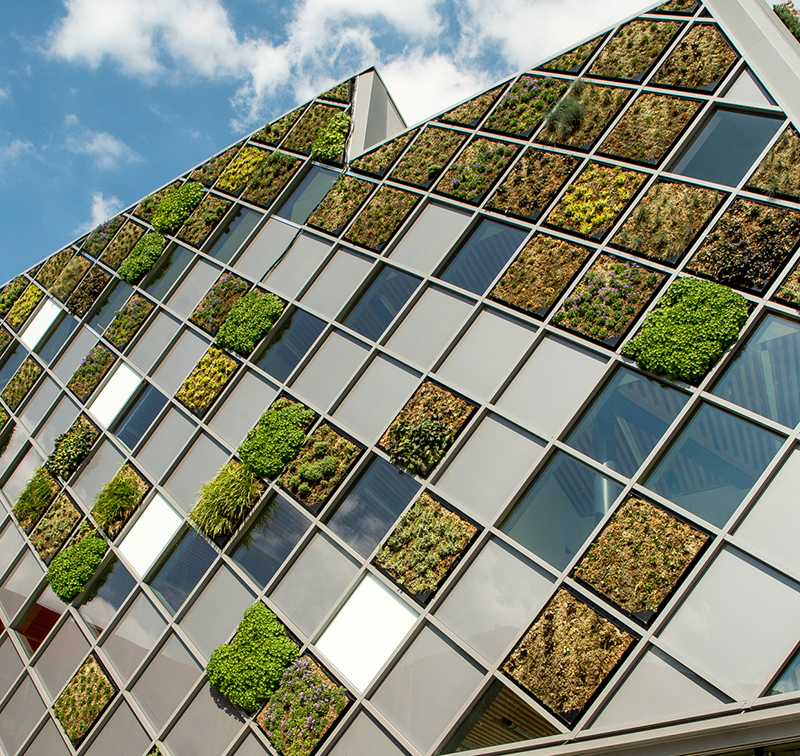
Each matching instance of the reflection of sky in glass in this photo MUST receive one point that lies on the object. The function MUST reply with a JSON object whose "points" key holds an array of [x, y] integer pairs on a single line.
{"points": [[134, 636], [106, 596]]}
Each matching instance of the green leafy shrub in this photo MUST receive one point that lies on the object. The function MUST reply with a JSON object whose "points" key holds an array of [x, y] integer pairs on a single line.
{"points": [[226, 499], [177, 206], [273, 132], [54, 528], [329, 142], [84, 699], [117, 500], [210, 314], [123, 243], [238, 173], [204, 220], [525, 104], [686, 333], [428, 155], [128, 320], [91, 371], [339, 205], [147, 207], [142, 257], [248, 669], [376, 161], [786, 12], [269, 178], [249, 319], [100, 238], [35, 498], [381, 217], [276, 437], [207, 379], [24, 306], [476, 168], [72, 568], [88, 291], [11, 292], [21, 383], [71, 448]]}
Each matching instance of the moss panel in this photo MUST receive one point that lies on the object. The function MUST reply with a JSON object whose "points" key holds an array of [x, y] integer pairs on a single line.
{"points": [[779, 172], [701, 59], [84, 699], [476, 169], [634, 48], [428, 155], [340, 204], [273, 132], [379, 160], [381, 217], [572, 60], [305, 131], [521, 109], [472, 111]]}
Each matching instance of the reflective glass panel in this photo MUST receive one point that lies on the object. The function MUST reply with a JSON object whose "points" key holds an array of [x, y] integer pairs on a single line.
{"points": [[290, 343], [308, 195], [48, 742], [235, 417], [110, 589], [169, 271], [20, 715], [134, 636], [39, 620], [138, 418], [62, 657], [183, 570], [122, 735], [112, 300], [20, 583], [169, 437], [10, 542], [13, 359], [10, 666], [52, 343], [236, 231], [364, 735], [206, 727]]}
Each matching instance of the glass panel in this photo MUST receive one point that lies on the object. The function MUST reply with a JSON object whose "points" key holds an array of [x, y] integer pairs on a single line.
{"points": [[150, 534], [113, 300], [765, 374], [747, 90], [134, 636], [48, 742], [138, 418], [427, 687], [19, 716], [380, 303], [169, 437], [184, 569], [103, 465], [40, 324], [485, 253], [166, 681], [10, 666], [294, 270], [251, 747], [62, 657], [192, 289], [72, 357], [22, 474], [560, 509], [235, 418], [122, 735], [236, 231], [115, 394], [170, 271], [20, 583], [314, 583], [364, 735], [725, 148], [184, 483], [14, 358], [290, 344], [308, 195], [11, 541], [44, 397], [39, 620], [155, 339], [268, 541], [206, 727], [180, 360], [57, 423], [106, 595], [9, 459], [626, 421], [713, 464], [498, 596], [265, 249], [373, 505], [334, 286], [53, 343]]}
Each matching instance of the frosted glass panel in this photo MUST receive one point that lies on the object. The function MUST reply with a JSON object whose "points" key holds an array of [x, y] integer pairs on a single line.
{"points": [[115, 395], [41, 323], [150, 534]]}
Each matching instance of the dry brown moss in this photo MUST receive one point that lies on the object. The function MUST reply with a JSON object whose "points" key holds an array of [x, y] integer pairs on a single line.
{"points": [[203, 220], [123, 243], [53, 267], [340, 204], [634, 48], [573, 59], [677, 6], [70, 277], [273, 132], [84, 699], [639, 556], [701, 59], [381, 217], [779, 171], [790, 290], [305, 131], [88, 291], [54, 528], [426, 158], [567, 654], [471, 112], [379, 160]]}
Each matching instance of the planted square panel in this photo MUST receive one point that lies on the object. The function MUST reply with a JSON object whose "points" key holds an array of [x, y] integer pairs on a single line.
{"points": [[84, 699]]}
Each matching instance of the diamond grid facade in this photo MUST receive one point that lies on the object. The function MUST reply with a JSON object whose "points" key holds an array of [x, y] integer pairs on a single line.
{"points": [[506, 531]]}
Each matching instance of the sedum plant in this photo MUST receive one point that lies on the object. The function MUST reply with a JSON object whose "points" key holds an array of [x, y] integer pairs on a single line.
{"points": [[10, 293], [54, 528], [71, 448], [238, 173], [91, 371], [24, 306], [250, 318], [142, 258], [21, 382], [84, 699], [128, 320], [72, 568], [207, 379], [177, 206]]}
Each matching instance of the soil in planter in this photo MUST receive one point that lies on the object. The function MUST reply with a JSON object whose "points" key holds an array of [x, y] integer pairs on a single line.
{"points": [[210, 314], [381, 217], [21, 383], [210, 171], [593, 201], [608, 298], [89, 290], [35, 498], [203, 220], [273, 132], [340, 204], [83, 700], [567, 654], [472, 111], [790, 290], [90, 372], [702, 58], [313, 121], [128, 320], [339, 93], [533, 183], [425, 428], [207, 379], [238, 173], [10, 293], [649, 127], [634, 48], [54, 528], [147, 207], [540, 273], [573, 59], [118, 499], [69, 278], [429, 154], [748, 244], [666, 220], [122, 244], [639, 556], [583, 114], [98, 240], [521, 109], [377, 161], [269, 178], [677, 6], [779, 171], [426, 542], [320, 466], [24, 306], [476, 169], [53, 267]]}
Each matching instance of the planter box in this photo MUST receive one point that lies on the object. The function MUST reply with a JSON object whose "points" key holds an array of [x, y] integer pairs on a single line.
{"points": [[235, 177], [377, 162], [520, 110], [148, 205], [381, 217], [340, 204], [206, 381], [203, 220], [678, 7], [35, 498], [428, 156], [305, 131], [128, 321], [210, 314], [53, 266], [573, 60], [88, 291], [127, 238], [116, 502], [476, 169], [471, 113], [11, 293], [100, 238], [90, 372], [700, 62], [210, 171], [339, 93], [269, 179], [778, 174], [70, 277], [272, 133], [71, 448], [23, 307], [21, 383], [84, 699], [55, 527]]}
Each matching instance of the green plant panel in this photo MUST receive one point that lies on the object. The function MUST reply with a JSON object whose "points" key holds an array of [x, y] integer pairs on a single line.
{"points": [[52, 531], [128, 320], [476, 168], [207, 379], [225, 500], [24, 306], [100, 238], [204, 220], [210, 314], [634, 48], [269, 178], [35, 498], [522, 108], [330, 140], [176, 206], [273, 133], [91, 371], [53, 266], [118, 499], [381, 217], [122, 245], [210, 171], [142, 257], [573, 59], [470, 113], [21, 382], [340, 204], [339, 93], [701, 59], [238, 173], [73, 567], [378, 160], [147, 207], [71, 448], [84, 699], [428, 155], [88, 291], [10, 293], [314, 120], [249, 320]]}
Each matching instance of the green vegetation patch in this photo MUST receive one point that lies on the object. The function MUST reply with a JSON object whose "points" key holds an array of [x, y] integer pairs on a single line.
{"points": [[320, 466], [88, 291], [269, 178], [238, 173], [470, 113], [790, 290], [748, 244], [476, 168], [84, 699], [24, 306], [340, 204], [428, 155], [21, 383], [330, 140], [634, 48], [128, 320], [54, 528], [250, 318], [208, 377], [123, 243], [71, 448], [204, 220], [426, 542], [147, 207], [787, 13], [248, 669], [521, 109], [273, 132], [225, 500], [595, 199], [118, 499], [379, 160], [667, 219], [305, 131], [276, 438], [5, 340], [573, 59], [177, 206], [677, 6], [210, 171], [100, 238], [91, 371], [701, 59], [35, 498], [73, 567], [649, 127], [142, 258], [53, 266], [381, 217], [540, 273], [70, 276], [305, 706], [339, 93], [10, 293], [608, 298], [567, 654], [639, 556], [688, 330], [425, 428], [210, 314], [779, 171]]}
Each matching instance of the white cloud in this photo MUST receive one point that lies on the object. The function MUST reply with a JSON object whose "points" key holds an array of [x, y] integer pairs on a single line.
{"points": [[103, 208], [106, 150], [13, 151], [5, 93]]}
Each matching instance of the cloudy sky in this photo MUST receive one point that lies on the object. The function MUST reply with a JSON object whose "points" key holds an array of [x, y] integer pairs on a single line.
{"points": [[102, 101]]}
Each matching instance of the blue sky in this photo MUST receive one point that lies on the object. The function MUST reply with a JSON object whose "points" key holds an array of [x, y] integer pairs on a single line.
{"points": [[102, 101]]}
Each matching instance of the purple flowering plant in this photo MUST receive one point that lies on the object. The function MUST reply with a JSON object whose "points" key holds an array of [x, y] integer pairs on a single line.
{"points": [[525, 103], [98, 240]]}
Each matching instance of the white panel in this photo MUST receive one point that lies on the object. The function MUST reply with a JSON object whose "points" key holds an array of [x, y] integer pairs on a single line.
{"points": [[39, 326], [366, 631], [108, 403], [150, 534]]}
